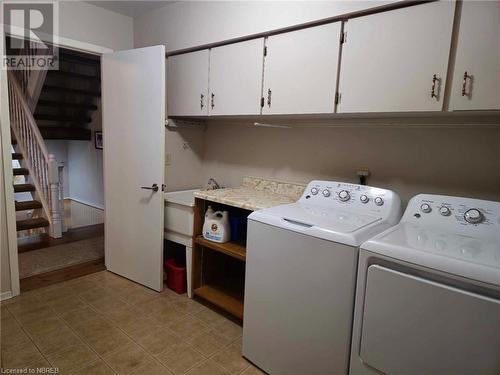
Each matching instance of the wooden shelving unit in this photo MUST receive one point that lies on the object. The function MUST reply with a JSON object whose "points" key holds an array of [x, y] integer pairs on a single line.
{"points": [[233, 249], [222, 299], [218, 268]]}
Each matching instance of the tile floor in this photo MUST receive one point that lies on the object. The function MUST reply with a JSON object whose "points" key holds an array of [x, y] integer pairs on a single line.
{"points": [[105, 324]]}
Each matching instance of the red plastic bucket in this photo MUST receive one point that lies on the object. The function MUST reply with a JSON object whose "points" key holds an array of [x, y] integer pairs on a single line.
{"points": [[176, 276]]}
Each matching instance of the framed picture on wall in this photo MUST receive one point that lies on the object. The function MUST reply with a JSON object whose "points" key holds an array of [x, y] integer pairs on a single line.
{"points": [[98, 140]]}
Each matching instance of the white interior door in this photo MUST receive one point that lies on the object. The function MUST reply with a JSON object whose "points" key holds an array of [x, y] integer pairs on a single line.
{"points": [[478, 56], [300, 71], [236, 78], [389, 59], [133, 113], [188, 84]]}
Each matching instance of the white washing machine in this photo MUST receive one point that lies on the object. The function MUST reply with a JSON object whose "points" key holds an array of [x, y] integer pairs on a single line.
{"points": [[428, 292], [301, 272]]}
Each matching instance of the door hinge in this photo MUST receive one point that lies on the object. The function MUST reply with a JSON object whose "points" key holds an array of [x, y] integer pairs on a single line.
{"points": [[265, 51], [337, 98], [261, 102], [343, 37]]}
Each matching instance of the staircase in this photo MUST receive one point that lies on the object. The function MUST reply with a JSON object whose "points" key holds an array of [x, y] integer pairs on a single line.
{"points": [[36, 173]]}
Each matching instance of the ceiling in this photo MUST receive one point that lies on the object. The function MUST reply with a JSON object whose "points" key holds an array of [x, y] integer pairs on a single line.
{"points": [[131, 8]]}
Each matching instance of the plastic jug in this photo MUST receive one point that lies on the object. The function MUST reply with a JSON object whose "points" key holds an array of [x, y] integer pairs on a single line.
{"points": [[216, 227]]}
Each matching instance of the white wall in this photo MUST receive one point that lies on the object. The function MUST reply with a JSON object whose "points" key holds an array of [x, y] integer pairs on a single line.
{"points": [[186, 24], [91, 24]]}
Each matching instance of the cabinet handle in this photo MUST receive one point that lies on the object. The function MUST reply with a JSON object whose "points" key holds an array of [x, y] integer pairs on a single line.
{"points": [[433, 89], [201, 101], [269, 98], [212, 100], [464, 84]]}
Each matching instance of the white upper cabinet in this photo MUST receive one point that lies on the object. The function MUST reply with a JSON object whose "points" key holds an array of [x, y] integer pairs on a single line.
{"points": [[397, 61], [236, 78], [300, 71], [476, 78], [187, 84]]}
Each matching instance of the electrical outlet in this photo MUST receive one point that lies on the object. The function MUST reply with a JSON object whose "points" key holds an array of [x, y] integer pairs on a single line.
{"points": [[168, 158]]}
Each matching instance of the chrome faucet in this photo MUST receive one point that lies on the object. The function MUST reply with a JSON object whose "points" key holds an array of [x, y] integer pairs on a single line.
{"points": [[212, 184]]}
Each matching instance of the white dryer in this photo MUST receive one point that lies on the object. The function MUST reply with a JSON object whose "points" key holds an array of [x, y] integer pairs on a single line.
{"points": [[428, 292], [301, 273]]}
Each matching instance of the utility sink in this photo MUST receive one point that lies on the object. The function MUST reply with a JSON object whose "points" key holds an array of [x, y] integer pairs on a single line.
{"points": [[179, 212]]}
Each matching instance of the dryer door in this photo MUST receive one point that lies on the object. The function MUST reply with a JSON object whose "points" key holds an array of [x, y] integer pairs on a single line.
{"points": [[415, 326]]}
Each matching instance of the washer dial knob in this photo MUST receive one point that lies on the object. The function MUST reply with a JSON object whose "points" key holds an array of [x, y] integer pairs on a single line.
{"points": [[425, 208], [379, 201], [364, 198], [314, 191], [326, 193], [344, 195], [444, 211], [473, 216]]}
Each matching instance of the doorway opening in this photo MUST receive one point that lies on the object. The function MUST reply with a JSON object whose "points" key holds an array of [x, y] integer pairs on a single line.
{"points": [[56, 125]]}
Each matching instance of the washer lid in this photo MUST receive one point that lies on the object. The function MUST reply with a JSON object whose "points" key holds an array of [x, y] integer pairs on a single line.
{"points": [[476, 258], [330, 224]]}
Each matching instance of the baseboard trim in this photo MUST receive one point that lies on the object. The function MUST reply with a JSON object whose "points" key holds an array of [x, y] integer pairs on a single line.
{"points": [[5, 295]]}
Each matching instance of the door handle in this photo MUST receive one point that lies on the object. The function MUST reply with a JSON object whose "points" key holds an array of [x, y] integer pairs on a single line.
{"points": [[153, 187]]}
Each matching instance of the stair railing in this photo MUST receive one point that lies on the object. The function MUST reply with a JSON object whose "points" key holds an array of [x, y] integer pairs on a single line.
{"points": [[30, 80], [42, 166]]}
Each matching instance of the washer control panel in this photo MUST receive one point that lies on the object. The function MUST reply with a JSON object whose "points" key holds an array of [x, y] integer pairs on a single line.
{"points": [[454, 213], [351, 197]]}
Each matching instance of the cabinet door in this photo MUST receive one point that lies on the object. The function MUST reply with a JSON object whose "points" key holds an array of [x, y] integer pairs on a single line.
{"points": [[236, 78], [187, 84], [300, 71], [478, 57], [391, 61]]}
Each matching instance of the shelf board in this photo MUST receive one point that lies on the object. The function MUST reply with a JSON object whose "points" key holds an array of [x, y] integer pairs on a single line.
{"points": [[221, 299], [233, 249]]}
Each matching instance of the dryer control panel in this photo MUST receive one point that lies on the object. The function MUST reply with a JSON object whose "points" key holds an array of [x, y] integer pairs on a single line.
{"points": [[353, 198], [460, 215]]}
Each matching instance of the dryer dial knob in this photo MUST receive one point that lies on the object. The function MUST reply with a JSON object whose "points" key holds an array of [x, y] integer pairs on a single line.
{"points": [[445, 211], [364, 198], [473, 216], [425, 208], [314, 191], [379, 201], [344, 195], [326, 193]]}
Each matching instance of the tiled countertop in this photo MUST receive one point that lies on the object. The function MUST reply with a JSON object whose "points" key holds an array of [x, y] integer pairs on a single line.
{"points": [[255, 194]]}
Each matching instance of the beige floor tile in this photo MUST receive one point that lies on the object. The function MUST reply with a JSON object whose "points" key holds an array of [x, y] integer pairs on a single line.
{"points": [[53, 341], [181, 358], [71, 357], [21, 356], [187, 327], [95, 368], [25, 305], [231, 360], [122, 316], [209, 316], [151, 367], [206, 343], [188, 306], [141, 327], [54, 292], [108, 303], [110, 342], [208, 368], [80, 315], [140, 296], [252, 370], [43, 325], [94, 327], [154, 305], [12, 335], [66, 304], [127, 359], [229, 329], [171, 295], [167, 315], [38, 365], [42, 312], [95, 294], [83, 286], [159, 341]]}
